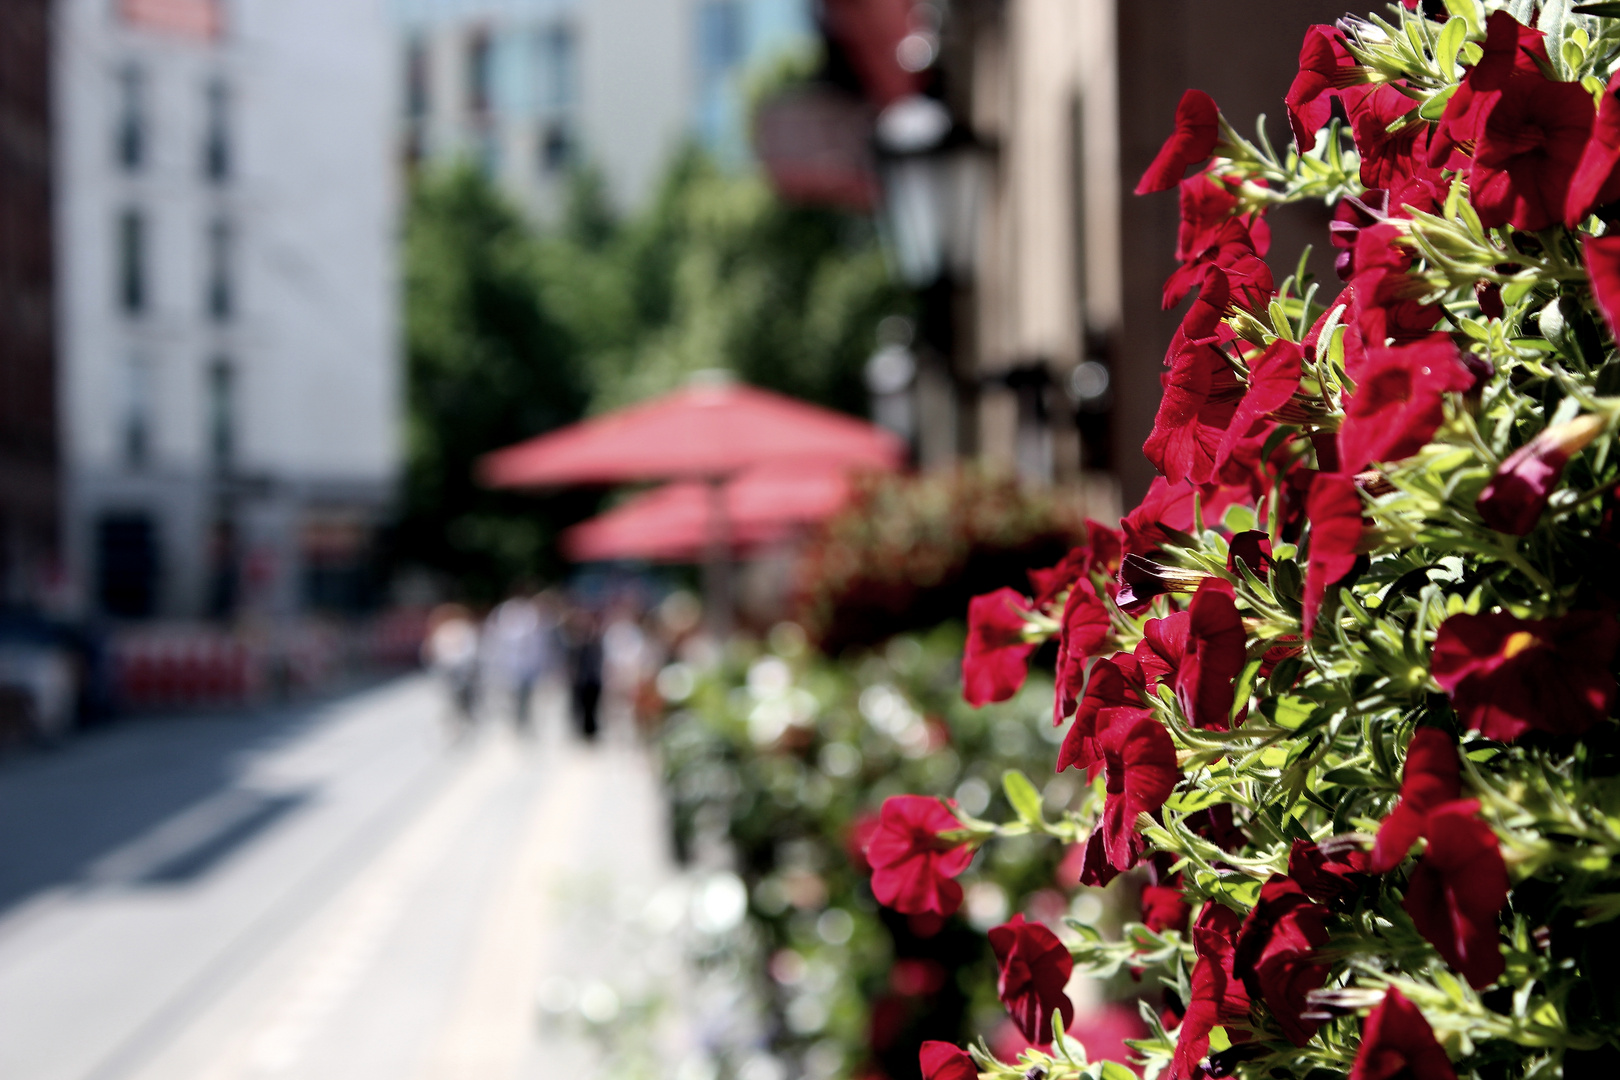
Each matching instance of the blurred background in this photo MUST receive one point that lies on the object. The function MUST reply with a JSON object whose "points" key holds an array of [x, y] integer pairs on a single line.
{"points": [[489, 490]]}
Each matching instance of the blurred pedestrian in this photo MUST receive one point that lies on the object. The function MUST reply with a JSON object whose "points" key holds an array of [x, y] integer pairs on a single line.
{"points": [[584, 635], [451, 653], [513, 648]]}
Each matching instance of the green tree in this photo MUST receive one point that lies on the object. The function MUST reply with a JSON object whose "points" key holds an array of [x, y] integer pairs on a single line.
{"points": [[487, 365]]}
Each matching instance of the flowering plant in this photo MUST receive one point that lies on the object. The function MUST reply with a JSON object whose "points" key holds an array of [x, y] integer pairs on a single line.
{"points": [[1343, 683]]}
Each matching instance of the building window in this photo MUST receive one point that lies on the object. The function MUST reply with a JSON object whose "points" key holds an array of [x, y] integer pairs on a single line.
{"points": [[132, 271], [416, 79], [216, 153], [556, 146], [219, 296], [720, 36], [130, 139], [137, 421], [222, 415], [557, 61], [480, 72]]}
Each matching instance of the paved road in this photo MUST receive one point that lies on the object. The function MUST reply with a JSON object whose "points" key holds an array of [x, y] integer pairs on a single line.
{"points": [[332, 892]]}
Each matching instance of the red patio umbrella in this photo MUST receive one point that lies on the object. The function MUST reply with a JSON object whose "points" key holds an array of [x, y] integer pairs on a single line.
{"points": [[705, 431], [672, 523], [699, 432]]}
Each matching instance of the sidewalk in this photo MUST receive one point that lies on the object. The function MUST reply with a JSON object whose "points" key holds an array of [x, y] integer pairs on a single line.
{"points": [[519, 919]]}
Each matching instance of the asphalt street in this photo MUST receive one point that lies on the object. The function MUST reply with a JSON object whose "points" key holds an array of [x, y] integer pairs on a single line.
{"points": [[334, 891]]}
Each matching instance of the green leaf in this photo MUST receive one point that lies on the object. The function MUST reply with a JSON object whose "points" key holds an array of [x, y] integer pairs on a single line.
{"points": [[1602, 11], [1356, 778], [1432, 107], [1445, 50], [1472, 51], [1022, 796], [1113, 1070], [1467, 11]]}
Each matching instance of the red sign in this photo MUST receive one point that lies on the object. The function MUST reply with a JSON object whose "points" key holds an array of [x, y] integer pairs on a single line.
{"points": [[200, 19], [816, 146]]}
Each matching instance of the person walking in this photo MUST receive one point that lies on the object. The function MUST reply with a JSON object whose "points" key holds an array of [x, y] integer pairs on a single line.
{"points": [[450, 651], [585, 669]]}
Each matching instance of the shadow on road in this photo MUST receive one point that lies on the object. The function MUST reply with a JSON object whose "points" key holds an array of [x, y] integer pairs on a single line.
{"points": [[73, 815]]}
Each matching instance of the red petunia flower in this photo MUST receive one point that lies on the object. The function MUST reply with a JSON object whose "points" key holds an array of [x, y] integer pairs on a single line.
{"points": [[1170, 505], [1218, 997], [1207, 203], [1327, 878], [1532, 139], [1517, 494], [1201, 394], [1114, 683], [1334, 510], [1510, 51], [1197, 132], [1507, 675], [1273, 378], [1035, 966], [1140, 765], [1202, 653], [1397, 405], [1432, 777], [1254, 548], [1164, 908], [944, 1061], [912, 866], [1387, 158], [1084, 630], [1602, 256], [1385, 300], [1397, 1042], [1275, 954], [1597, 175], [995, 659], [1458, 889], [1327, 70], [1234, 250], [860, 834], [1050, 582]]}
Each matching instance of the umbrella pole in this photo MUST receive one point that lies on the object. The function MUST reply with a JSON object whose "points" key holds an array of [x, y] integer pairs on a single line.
{"points": [[717, 566]]}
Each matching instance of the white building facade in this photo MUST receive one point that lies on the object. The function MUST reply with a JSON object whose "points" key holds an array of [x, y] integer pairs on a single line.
{"points": [[532, 89], [229, 363]]}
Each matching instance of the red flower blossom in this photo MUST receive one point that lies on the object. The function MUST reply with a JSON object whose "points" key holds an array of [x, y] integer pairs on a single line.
{"points": [[1597, 175], [1202, 650], [1170, 506], [1327, 878], [1236, 252], [1164, 908], [1397, 1042], [1602, 255], [1397, 405], [995, 657], [1254, 548], [1510, 51], [1326, 71], [1517, 494], [1050, 582], [1207, 203], [1273, 378], [1034, 965], [1141, 770], [1201, 395], [1433, 777], [1457, 890], [1197, 132], [860, 834], [1275, 950], [1384, 298], [912, 866], [1114, 683], [1085, 628], [1531, 141], [943, 1061], [1218, 997], [1387, 158], [1507, 675], [1334, 509]]}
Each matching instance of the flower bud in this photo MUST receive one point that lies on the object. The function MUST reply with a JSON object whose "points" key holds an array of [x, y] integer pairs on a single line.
{"points": [[1514, 499]]}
